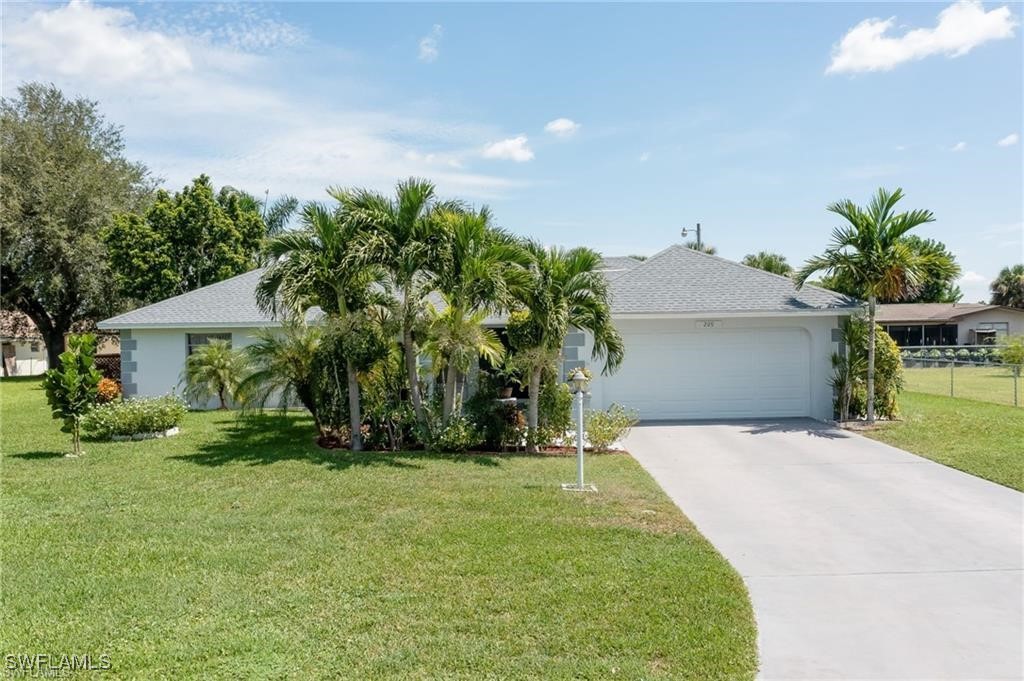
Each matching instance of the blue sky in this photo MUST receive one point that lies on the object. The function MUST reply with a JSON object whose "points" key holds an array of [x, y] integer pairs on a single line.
{"points": [[607, 125]]}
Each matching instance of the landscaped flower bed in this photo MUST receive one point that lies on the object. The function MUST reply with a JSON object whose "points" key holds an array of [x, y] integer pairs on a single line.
{"points": [[138, 419]]}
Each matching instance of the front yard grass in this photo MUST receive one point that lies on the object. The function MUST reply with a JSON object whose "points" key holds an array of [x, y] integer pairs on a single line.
{"points": [[239, 549], [979, 438], [988, 383]]}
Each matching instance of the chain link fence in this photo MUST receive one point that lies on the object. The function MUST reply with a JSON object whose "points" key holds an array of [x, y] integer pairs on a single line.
{"points": [[968, 372]]}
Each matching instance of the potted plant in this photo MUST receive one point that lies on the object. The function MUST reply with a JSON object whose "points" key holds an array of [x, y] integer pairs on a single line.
{"points": [[506, 375]]}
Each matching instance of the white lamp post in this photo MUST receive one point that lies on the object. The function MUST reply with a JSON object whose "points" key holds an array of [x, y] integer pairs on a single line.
{"points": [[579, 389]]}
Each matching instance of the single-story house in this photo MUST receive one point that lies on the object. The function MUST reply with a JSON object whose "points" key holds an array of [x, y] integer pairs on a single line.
{"points": [[21, 346], [916, 324], [705, 337]]}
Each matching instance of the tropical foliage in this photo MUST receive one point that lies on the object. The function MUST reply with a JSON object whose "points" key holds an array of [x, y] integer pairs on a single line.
{"points": [[281, 367], [1008, 287], [702, 247], [849, 378], [135, 417], [769, 262], [72, 386], [870, 252], [213, 370]]}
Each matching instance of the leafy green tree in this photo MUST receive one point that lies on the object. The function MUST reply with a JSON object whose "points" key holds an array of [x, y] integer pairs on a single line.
{"points": [[71, 387], [63, 177], [564, 289], [769, 262], [404, 236], [275, 215], [1008, 287], [184, 241], [870, 253], [281, 363], [319, 265], [481, 267], [214, 369], [701, 247], [937, 283]]}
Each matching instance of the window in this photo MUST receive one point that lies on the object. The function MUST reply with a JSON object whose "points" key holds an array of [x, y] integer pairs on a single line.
{"points": [[34, 347], [197, 339], [1001, 328]]}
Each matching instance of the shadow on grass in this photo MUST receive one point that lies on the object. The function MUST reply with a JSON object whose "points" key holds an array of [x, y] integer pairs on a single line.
{"points": [[37, 455], [268, 439]]}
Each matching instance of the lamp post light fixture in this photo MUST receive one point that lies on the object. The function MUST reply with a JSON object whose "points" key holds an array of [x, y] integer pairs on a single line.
{"points": [[579, 389], [685, 232]]}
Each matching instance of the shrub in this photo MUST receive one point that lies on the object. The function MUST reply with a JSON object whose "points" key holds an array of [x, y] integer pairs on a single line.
{"points": [[963, 354], [605, 428], [850, 372], [554, 416], [71, 387], [107, 390], [457, 434], [500, 425], [134, 417], [213, 370], [934, 354]]}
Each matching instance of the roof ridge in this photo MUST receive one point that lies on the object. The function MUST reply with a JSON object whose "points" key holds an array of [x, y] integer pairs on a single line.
{"points": [[182, 295], [643, 263]]}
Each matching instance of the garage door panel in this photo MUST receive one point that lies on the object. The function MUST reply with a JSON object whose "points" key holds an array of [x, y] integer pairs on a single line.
{"points": [[716, 374]]}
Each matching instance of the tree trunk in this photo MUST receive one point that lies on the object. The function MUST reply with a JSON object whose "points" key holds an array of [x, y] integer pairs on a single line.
{"points": [[414, 379], [533, 410], [871, 359], [355, 416], [220, 398], [54, 342], [450, 376]]}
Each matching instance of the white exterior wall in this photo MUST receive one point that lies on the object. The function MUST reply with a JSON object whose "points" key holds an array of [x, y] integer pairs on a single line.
{"points": [[152, 360], [821, 346], [26, 361], [1015, 319]]}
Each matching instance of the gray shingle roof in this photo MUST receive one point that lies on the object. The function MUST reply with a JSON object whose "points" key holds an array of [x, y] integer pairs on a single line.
{"points": [[676, 280], [615, 265], [681, 280], [231, 302]]}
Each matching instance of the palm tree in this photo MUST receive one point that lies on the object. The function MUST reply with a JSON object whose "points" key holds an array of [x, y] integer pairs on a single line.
{"points": [[701, 247], [455, 341], [282, 363], [1008, 287], [317, 265], [480, 268], [403, 235], [769, 262], [212, 370], [565, 289], [870, 253]]}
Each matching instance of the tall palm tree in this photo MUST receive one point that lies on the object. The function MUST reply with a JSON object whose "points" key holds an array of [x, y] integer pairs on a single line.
{"points": [[769, 262], [282, 363], [1008, 287], [565, 289], [402, 235], [870, 252], [316, 265], [213, 370], [480, 268]]}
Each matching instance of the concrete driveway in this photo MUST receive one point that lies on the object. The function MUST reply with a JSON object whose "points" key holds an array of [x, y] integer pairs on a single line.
{"points": [[862, 561]]}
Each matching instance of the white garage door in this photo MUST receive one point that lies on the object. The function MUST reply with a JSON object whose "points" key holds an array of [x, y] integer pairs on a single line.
{"points": [[718, 373]]}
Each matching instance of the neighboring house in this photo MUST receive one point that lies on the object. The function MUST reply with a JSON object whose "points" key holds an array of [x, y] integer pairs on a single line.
{"points": [[705, 338], [915, 324], [21, 346]]}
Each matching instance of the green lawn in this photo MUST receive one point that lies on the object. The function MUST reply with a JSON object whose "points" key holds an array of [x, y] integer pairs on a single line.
{"points": [[987, 383], [241, 550], [980, 438]]}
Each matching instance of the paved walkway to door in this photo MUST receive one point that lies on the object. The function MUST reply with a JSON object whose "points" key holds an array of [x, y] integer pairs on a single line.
{"points": [[863, 561]]}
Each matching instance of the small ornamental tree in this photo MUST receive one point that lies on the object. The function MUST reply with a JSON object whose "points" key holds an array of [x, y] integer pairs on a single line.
{"points": [[213, 370], [72, 387], [1013, 354]]}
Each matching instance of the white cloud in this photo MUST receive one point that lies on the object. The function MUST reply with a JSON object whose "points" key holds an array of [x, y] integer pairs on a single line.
{"points": [[511, 149], [562, 127], [196, 97], [644, 157], [429, 49], [959, 146], [1009, 140], [972, 277], [961, 27]]}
